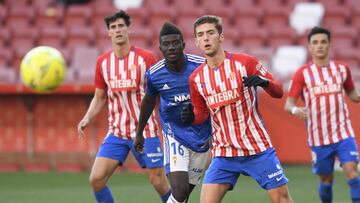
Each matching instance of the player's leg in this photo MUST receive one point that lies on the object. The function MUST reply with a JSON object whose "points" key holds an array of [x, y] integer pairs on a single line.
{"points": [[266, 169], [348, 156], [153, 159], [220, 177], [323, 159], [111, 153]]}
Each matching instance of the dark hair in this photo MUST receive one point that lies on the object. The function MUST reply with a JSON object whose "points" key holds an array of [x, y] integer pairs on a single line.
{"points": [[169, 28], [120, 14], [209, 19], [319, 30]]}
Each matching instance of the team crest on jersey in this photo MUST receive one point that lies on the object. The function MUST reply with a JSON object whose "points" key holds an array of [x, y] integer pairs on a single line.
{"points": [[232, 75]]}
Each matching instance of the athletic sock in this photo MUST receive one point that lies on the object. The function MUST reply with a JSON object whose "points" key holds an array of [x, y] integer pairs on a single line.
{"points": [[354, 185], [325, 192], [104, 196], [165, 197]]}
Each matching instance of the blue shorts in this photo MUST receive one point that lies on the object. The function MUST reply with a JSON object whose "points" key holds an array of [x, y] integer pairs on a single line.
{"points": [[323, 157], [118, 149], [264, 167]]}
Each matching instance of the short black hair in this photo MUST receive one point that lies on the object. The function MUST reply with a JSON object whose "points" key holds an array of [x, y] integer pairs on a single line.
{"points": [[169, 28], [120, 14], [319, 30], [216, 20]]}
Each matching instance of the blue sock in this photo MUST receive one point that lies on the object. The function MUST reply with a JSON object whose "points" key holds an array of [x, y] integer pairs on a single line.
{"points": [[325, 192], [104, 196], [165, 197], [354, 185]]}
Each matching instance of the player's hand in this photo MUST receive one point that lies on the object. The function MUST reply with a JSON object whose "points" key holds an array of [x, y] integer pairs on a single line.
{"points": [[300, 112], [81, 126], [187, 114], [255, 80], [139, 143]]}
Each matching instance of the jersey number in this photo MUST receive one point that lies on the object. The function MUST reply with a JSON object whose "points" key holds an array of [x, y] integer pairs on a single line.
{"points": [[177, 149]]}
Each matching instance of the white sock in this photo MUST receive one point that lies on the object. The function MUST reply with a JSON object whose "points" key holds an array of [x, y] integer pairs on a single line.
{"points": [[173, 200]]}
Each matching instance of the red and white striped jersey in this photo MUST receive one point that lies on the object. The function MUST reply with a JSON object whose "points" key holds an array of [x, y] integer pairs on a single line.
{"points": [[322, 89], [124, 80], [238, 129]]}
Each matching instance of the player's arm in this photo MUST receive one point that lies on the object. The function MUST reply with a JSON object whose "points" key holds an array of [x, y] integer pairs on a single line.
{"points": [[97, 103], [259, 76], [197, 112], [296, 85], [148, 104], [350, 88]]}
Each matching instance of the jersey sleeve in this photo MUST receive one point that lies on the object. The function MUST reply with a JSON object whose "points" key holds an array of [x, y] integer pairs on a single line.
{"points": [[150, 60], [348, 83], [201, 111], [256, 68], [297, 84], [99, 77], [150, 89]]}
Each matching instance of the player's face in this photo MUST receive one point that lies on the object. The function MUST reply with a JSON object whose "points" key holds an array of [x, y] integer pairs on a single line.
{"points": [[208, 39], [319, 46], [172, 47], [118, 31]]}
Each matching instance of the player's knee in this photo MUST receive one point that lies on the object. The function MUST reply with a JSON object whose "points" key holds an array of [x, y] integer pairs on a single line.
{"points": [[180, 194], [97, 182]]}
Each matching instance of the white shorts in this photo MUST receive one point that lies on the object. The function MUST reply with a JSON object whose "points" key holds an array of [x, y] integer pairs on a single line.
{"points": [[180, 158]]}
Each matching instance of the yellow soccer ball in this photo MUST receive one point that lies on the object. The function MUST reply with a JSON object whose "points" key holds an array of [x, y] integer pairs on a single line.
{"points": [[43, 69]]}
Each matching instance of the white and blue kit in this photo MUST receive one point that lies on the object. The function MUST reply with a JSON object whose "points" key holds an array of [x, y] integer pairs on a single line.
{"points": [[186, 146]]}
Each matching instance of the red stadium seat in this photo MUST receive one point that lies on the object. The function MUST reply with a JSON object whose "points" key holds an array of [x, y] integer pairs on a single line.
{"points": [[13, 139], [52, 36], [24, 36], [19, 53], [281, 36], [8, 75], [226, 14], [84, 62], [80, 37], [351, 56], [49, 16], [138, 16], [329, 3], [18, 3], [343, 37], [263, 54], [19, 17], [78, 15], [267, 3], [276, 16], [248, 17], [352, 4], [3, 15], [161, 3], [242, 3], [252, 37], [185, 3], [186, 17], [6, 56], [210, 4], [5, 34], [336, 16], [99, 14], [141, 36], [355, 17], [43, 3]]}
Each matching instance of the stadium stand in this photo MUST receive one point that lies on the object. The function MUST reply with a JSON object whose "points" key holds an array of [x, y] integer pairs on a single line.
{"points": [[42, 137]]}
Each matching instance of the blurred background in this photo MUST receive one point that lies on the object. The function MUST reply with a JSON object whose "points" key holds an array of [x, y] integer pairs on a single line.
{"points": [[38, 131]]}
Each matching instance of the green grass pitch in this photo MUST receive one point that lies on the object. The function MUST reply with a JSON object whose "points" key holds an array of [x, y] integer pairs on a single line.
{"points": [[134, 188]]}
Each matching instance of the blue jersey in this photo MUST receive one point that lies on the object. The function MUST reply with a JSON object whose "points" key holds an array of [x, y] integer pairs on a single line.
{"points": [[174, 92]]}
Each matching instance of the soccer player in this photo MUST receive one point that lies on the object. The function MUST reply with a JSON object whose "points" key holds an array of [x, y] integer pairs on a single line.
{"points": [[120, 80], [322, 83], [186, 145], [225, 86]]}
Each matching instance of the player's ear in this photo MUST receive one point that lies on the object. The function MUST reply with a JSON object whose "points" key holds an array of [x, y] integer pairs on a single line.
{"points": [[221, 37]]}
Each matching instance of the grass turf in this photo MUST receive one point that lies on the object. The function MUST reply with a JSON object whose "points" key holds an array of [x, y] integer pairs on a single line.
{"points": [[134, 188]]}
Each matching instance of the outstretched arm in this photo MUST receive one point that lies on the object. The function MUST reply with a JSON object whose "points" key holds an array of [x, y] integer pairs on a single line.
{"points": [[147, 107], [354, 95], [97, 103], [290, 107]]}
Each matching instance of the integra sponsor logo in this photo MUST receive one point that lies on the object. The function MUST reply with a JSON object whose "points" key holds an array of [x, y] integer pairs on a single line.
{"points": [[222, 98], [181, 98], [327, 89], [123, 84]]}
